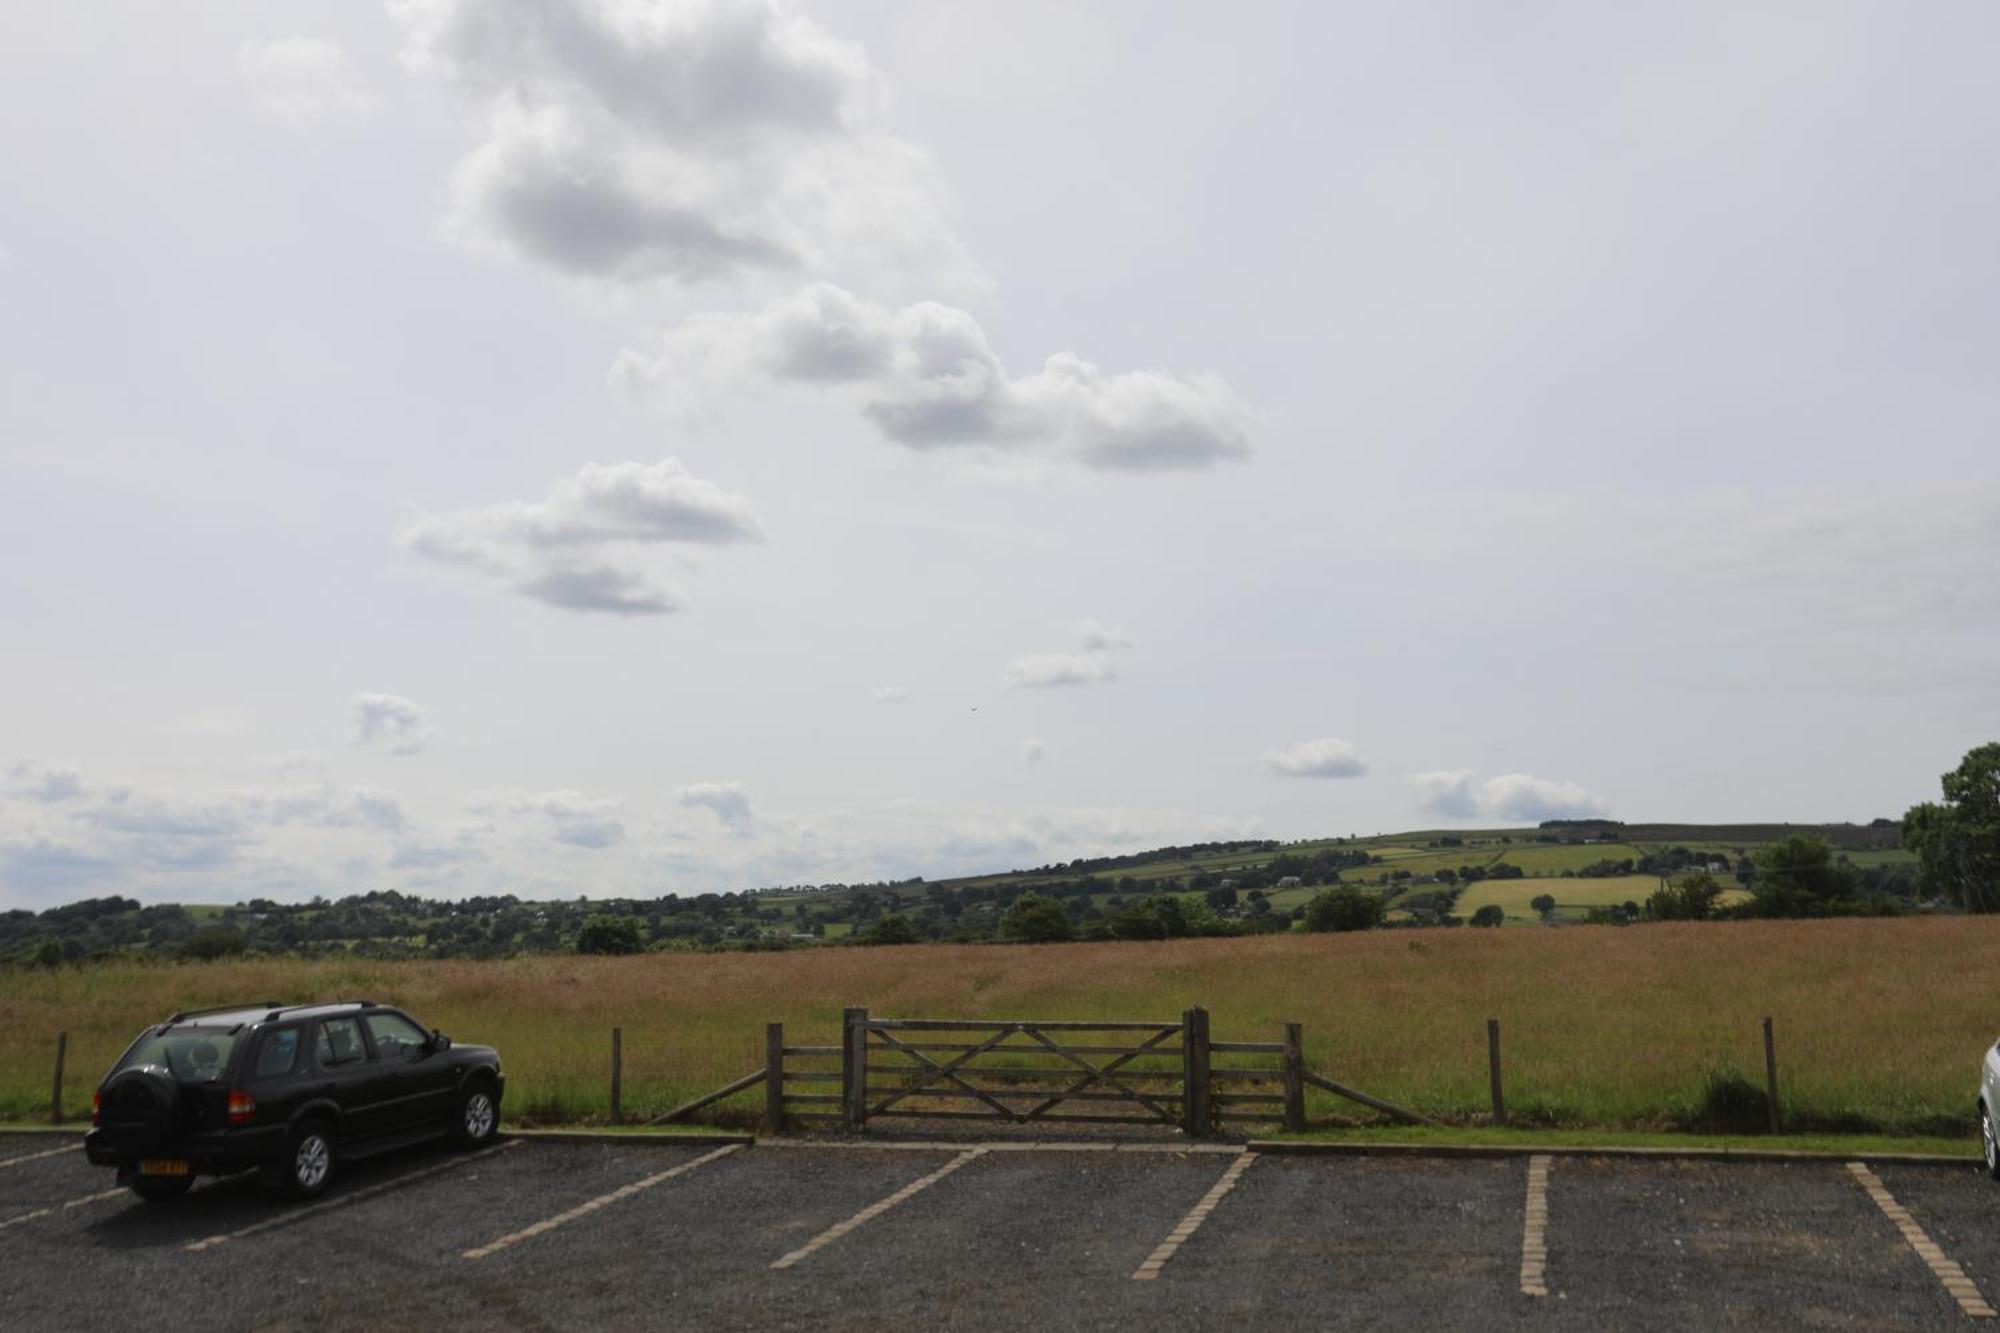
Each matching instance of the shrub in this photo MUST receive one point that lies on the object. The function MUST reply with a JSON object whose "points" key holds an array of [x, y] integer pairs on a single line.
{"points": [[891, 930], [1036, 920], [609, 935], [1343, 909], [212, 942]]}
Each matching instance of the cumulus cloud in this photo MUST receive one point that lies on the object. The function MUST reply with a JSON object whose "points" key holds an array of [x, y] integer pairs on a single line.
{"points": [[576, 548], [1326, 757], [680, 141], [1041, 671], [37, 783], [573, 818], [1033, 750], [727, 801], [1099, 637], [393, 721], [889, 694], [928, 378], [1511, 796], [303, 79]]}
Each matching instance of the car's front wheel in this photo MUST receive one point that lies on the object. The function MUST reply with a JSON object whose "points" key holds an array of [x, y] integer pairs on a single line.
{"points": [[309, 1160], [478, 1119], [1989, 1142]]}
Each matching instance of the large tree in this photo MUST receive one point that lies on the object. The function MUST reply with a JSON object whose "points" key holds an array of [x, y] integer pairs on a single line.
{"points": [[1957, 841]]}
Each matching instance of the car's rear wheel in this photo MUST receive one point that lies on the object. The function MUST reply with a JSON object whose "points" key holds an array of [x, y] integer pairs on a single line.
{"points": [[309, 1160], [155, 1188], [478, 1119], [1989, 1142]]}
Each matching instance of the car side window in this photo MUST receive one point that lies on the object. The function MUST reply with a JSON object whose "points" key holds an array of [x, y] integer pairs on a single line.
{"points": [[279, 1054], [339, 1043], [396, 1037]]}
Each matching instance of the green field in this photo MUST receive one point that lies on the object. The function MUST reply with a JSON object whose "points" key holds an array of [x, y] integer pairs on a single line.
{"points": [[1574, 897], [1880, 1023]]}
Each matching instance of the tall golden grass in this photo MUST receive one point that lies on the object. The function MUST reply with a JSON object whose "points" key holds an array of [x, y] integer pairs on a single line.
{"points": [[1880, 1024]]}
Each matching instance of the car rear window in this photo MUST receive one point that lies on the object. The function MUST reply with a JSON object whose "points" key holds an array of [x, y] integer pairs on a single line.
{"points": [[192, 1055], [279, 1054]]}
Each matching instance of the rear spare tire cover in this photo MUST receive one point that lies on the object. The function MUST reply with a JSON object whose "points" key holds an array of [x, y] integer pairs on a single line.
{"points": [[139, 1109]]}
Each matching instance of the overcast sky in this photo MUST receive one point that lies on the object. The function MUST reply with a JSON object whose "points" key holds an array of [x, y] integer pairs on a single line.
{"points": [[627, 448]]}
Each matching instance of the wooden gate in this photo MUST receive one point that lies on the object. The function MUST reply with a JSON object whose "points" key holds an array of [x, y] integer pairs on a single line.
{"points": [[1018, 1070]]}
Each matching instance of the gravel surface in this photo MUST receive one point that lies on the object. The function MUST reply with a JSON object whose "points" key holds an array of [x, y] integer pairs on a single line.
{"points": [[1026, 1238]]}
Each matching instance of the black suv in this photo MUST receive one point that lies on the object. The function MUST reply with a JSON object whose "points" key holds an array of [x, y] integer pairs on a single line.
{"points": [[285, 1089]]}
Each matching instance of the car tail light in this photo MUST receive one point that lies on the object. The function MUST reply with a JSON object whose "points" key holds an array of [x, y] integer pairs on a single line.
{"points": [[242, 1108], [96, 1108]]}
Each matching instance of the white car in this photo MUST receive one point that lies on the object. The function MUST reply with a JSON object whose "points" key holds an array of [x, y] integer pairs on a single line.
{"points": [[1989, 1100]]}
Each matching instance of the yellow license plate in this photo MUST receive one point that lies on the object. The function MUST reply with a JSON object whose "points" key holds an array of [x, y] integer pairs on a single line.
{"points": [[164, 1166]]}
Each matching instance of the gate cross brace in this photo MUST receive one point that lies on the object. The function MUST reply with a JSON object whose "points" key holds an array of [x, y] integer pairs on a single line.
{"points": [[947, 1072], [1092, 1074]]}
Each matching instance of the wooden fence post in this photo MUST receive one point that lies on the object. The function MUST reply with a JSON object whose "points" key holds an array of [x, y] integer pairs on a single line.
{"points": [[1295, 1085], [1199, 1108], [1493, 1065], [1771, 1074], [774, 1078], [55, 1097], [617, 1073], [854, 1068]]}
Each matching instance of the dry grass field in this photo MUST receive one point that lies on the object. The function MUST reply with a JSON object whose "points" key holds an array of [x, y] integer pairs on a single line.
{"points": [[1880, 1024]]}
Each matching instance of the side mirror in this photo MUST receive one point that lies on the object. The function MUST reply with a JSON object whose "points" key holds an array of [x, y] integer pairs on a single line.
{"points": [[440, 1042]]}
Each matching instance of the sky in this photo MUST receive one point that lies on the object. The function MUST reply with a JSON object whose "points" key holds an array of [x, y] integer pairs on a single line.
{"points": [[624, 448]]}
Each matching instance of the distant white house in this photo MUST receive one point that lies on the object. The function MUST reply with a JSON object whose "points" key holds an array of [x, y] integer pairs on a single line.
{"points": [[1289, 882]]}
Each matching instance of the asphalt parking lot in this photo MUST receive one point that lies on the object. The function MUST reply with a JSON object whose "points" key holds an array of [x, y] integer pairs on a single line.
{"points": [[533, 1234]]}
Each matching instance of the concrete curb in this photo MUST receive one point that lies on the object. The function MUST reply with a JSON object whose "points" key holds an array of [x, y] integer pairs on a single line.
{"points": [[1307, 1148], [644, 1140]]}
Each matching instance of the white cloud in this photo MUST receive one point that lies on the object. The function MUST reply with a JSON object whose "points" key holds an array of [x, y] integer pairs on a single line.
{"points": [[1511, 796], [1100, 637], [575, 549], [685, 141], [37, 783], [1033, 750], [1326, 757], [727, 801], [889, 694], [393, 720], [573, 818], [928, 378], [1047, 670], [303, 79]]}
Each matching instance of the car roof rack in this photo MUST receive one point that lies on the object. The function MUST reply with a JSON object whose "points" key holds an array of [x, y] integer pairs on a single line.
{"points": [[277, 1009], [186, 1014]]}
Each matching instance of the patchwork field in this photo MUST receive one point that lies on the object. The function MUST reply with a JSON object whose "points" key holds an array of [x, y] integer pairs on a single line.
{"points": [[1880, 1022], [1574, 897]]}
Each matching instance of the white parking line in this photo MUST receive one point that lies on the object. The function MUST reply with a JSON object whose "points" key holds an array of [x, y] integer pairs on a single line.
{"points": [[1535, 1229], [622, 1192], [299, 1214], [60, 1207], [38, 1156], [1962, 1288], [875, 1210], [1157, 1260]]}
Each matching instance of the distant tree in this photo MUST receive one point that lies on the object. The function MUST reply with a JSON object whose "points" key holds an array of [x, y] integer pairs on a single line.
{"points": [[1036, 920], [1489, 915], [212, 942], [1544, 905], [1446, 875], [894, 929], [49, 953], [1222, 899], [1343, 910], [1688, 899], [1957, 842], [609, 935], [1799, 877]]}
